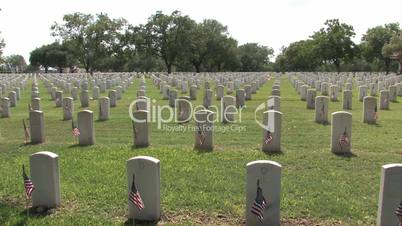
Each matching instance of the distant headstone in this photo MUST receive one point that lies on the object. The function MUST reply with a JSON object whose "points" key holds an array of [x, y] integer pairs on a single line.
{"points": [[341, 132], [59, 98], [321, 109], [207, 101], [204, 125], [271, 138], [184, 109], [140, 128], [274, 103], [311, 94], [84, 98], [240, 98], [347, 100], [86, 128], [104, 108], [113, 98], [5, 107], [370, 113], [37, 127], [193, 92], [384, 100], [35, 103], [68, 108]]}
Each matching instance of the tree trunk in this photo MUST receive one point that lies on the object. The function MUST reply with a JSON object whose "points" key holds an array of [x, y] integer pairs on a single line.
{"points": [[337, 65], [46, 69], [387, 62], [169, 68], [400, 67], [197, 67], [60, 69]]}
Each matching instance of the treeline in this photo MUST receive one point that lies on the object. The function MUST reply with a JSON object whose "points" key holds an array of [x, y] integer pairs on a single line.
{"points": [[165, 43], [332, 49], [176, 42]]}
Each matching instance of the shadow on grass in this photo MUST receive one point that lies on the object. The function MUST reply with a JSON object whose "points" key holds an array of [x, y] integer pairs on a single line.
{"points": [[31, 212], [133, 147], [132, 222], [202, 151], [346, 155], [276, 153]]}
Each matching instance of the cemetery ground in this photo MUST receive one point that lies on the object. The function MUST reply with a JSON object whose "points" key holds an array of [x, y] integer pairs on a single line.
{"points": [[200, 187]]}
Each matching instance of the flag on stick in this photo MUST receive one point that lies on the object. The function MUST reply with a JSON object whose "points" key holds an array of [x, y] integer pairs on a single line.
{"points": [[259, 204], [28, 185], [26, 131], [398, 213], [268, 137], [344, 140], [201, 135], [134, 196], [75, 130]]}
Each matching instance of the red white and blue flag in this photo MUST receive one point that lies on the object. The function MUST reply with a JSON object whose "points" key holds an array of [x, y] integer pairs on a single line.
{"points": [[134, 196], [259, 204], [28, 185]]}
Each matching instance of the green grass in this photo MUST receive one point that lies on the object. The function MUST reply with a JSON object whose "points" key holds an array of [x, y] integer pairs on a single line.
{"points": [[203, 187]]}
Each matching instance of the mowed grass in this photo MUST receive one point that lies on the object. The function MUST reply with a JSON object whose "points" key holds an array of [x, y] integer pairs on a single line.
{"points": [[203, 187]]}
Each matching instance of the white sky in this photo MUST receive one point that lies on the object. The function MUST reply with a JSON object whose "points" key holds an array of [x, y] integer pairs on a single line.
{"points": [[25, 25]]}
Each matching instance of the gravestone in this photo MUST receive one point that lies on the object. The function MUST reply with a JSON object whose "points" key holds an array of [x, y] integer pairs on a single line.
{"points": [[219, 92], [324, 89], [321, 109], [5, 107], [144, 172], [84, 98], [172, 97], [373, 89], [104, 108], [275, 92], [370, 113], [392, 93], [59, 98], [240, 98], [347, 100], [119, 92], [263, 184], [228, 109], [12, 96], [17, 91], [341, 132], [193, 92], [349, 86], [68, 108], [362, 92], [274, 103], [140, 128], [271, 137], [390, 195], [184, 109], [204, 125], [74, 93], [53, 91], [207, 100], [37, 127], [141, 93], [35, 94], [334, 93], [86, 128], [35, 103], [45, 175], [247, 90], [113, 98], [303, 92], [384, 100], [311, 94], [95, 92]]}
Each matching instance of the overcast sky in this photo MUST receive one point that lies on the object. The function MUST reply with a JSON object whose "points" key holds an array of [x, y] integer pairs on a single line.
{"points": [[25, 25]]}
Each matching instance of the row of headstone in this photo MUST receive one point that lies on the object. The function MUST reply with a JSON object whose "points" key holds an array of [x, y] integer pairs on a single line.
{"points": [[263, 189]]}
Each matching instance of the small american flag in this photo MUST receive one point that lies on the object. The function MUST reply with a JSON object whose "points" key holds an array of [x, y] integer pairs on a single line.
{"points": [[344, 140], [75, 130], [259, 204], [268, 137], [134, 196], [201, 135], [26, 131], [29, 187], [398, 213]]}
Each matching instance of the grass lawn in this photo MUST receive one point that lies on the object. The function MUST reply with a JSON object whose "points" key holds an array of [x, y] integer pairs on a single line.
{"points": [[203, 187]]}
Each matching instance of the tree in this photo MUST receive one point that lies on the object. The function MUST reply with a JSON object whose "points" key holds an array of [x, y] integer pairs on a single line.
{"points": [[335, 42], [374, 40], [92, 38], [52, 55], [254, 57], [300, 56], [16, 63], [2, 45], [167, 36], [393, 50]]}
